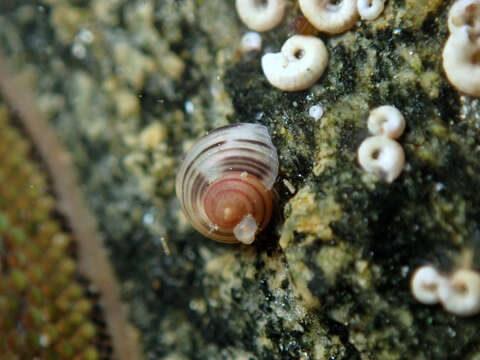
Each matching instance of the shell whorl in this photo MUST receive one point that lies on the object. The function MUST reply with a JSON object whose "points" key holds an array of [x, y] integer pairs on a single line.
{"points": [[239, 159]]}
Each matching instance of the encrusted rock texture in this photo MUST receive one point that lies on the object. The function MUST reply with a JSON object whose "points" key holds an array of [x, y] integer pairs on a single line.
{"points": [[130, 84]]}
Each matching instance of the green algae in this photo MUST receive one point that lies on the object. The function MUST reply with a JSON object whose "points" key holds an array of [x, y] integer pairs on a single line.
{"points": [[44, 308]]}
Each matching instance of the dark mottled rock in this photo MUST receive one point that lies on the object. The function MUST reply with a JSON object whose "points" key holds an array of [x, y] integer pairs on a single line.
{"points": [[131, 84]]}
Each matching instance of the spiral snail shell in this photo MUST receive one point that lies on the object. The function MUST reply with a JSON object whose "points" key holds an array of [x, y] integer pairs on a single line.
{"points": [[224, 183]]}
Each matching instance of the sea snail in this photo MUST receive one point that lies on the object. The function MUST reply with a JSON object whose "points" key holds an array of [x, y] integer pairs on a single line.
{"points": [[225, 181], [459, 292], [299, 64], [332, 17], [461, 54], [260, 15]]}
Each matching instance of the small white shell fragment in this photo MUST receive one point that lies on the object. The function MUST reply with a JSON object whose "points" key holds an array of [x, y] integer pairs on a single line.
{"points": [[370, 9], [464, 13], [328, 17], [461, 294], [245, 230], [316, 112], [299, 64], [461, 61], [381, 156], [424, 284], [289, 186], [260, 15], [386, 120], [251, 41]]}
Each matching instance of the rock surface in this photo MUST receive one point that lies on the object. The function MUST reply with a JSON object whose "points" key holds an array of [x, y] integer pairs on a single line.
{"points": [[130, 84]]}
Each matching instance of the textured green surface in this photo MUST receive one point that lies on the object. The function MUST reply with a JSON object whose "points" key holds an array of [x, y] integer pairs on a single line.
{"points": [[130, 84], [44, 312]]}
